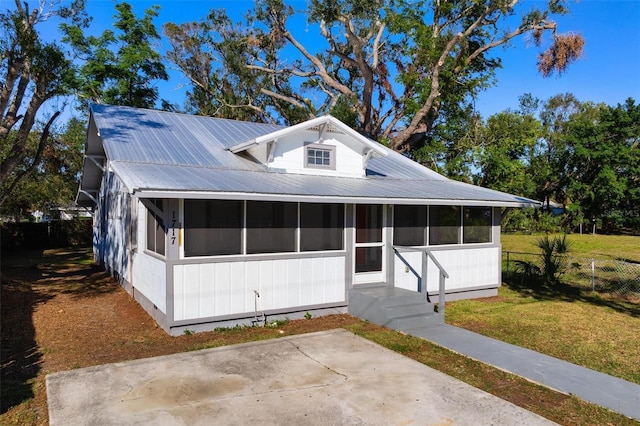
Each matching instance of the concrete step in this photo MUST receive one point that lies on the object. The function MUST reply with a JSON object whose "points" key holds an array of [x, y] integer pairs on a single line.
{"points": [[392, 307], [420, 308], [403, 300], [385, 296], [408, 322]]}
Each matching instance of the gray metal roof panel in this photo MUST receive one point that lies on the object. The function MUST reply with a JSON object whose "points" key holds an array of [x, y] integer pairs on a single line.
{"points": [[149, 177], [157, 137], [161, 151]]}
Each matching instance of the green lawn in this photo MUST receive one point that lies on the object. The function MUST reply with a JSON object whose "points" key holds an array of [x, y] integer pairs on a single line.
{"points": [[617, 247], [589, 329]]}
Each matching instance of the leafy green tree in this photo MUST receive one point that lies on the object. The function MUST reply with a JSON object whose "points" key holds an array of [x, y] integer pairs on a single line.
{"points": [[549, 163], [604, 164], [119, 67], [213, 55], [397, 67], [54, 182], [506, 153], [33, 72]]}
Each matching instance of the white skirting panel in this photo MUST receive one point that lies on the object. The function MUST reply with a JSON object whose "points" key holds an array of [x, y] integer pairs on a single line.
{"points": [[149, 278], [228, 288], [467, 267]]}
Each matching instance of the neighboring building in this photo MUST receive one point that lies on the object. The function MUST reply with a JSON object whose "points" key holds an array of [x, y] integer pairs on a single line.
{"points": [[211, 222]]}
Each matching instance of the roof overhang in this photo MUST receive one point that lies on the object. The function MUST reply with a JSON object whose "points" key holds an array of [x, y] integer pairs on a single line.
{"points": [[93, 167], [253, 196]]}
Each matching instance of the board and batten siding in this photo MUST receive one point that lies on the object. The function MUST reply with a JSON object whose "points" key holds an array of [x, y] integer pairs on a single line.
{"points": [[467, 268], [203, 290], [150, 279], [289, 155], [111, 227], [149, 272]]}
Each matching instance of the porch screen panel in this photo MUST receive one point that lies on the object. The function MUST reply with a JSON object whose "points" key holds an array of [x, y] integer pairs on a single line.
{"points": [[368, 259], [409, 225], [321, 227], [212, 227], [444, 225], [368, 223], [476, 227], [271, 227], [369, 220]]}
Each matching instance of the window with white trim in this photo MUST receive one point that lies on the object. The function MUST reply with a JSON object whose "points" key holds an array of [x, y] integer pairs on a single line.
{"points": [[320, 156], [155, 229]]}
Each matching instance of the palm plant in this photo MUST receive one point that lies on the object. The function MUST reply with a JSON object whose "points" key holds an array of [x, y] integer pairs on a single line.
{"points": [[552, 250]]}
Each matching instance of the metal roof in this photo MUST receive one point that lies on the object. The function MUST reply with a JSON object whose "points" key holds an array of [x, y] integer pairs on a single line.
{"points": [[163, 154]]}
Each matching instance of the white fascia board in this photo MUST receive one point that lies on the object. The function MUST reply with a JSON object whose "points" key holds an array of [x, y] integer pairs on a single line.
{"points": [[253, 196], [327, 119], [375, 146]]}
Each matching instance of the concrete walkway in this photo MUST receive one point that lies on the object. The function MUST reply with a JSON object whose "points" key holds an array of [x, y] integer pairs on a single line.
{"points": [[601, 389]]}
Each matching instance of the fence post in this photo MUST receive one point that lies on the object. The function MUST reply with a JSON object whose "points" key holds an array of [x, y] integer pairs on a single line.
{"points": [[593, 275], [507, 261]]}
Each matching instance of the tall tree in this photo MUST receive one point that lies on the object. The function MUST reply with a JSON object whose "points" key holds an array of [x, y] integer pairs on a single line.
{"points": [[506, 153], [394, 66], [54, 182], [119, 68], [551, 151], [32, 72], [603, 162]]}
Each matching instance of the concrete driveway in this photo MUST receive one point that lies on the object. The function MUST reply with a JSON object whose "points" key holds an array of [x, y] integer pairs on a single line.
{"points": [[331, 377]]}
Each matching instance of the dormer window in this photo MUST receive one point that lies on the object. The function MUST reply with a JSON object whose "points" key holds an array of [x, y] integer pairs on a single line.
{"points": [[320, 156]]}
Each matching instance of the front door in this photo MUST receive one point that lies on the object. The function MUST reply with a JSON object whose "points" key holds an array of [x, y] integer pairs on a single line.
{"points": [[369, 244]]}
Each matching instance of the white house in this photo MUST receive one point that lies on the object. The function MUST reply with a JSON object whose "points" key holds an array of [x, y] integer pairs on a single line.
{"points": [[211, 222]]}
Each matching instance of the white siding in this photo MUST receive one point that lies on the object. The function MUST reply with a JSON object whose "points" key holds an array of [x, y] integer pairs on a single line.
{"points": [[467, 268], [111, 227], [149, 272], [227, 288], [149, 278], [289, 155]]}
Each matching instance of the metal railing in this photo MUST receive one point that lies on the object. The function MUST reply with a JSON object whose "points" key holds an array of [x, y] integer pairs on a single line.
{"points": [[601, 275], [422, 276]]}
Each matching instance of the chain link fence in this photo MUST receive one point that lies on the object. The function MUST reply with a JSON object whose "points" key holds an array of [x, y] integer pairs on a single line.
{"points": [[600, 275]]}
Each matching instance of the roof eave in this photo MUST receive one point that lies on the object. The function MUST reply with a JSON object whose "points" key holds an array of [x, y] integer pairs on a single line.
{"points": [[256, 196]]}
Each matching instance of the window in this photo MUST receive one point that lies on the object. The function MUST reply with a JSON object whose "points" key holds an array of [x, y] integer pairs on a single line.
{"points": [[155, 229], [409, 225], [320, 156], [212, 227], [444, 225], [477, 225], [321, 226], [271, 227]]}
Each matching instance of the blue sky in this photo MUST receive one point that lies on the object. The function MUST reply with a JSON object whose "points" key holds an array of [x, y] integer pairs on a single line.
{"points": [[609, 72]]}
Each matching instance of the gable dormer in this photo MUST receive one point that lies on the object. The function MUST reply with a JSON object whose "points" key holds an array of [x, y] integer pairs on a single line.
{"points": [[321, 146]]}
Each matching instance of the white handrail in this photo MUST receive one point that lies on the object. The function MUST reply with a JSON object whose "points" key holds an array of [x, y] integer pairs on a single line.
{"points": [[443, 273]]}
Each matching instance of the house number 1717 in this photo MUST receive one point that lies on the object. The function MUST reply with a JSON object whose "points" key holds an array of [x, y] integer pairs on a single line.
{"points": [[173, 227]]}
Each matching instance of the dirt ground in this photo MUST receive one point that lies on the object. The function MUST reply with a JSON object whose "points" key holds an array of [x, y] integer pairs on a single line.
{"points": [[60, 312], [56, 318]]}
